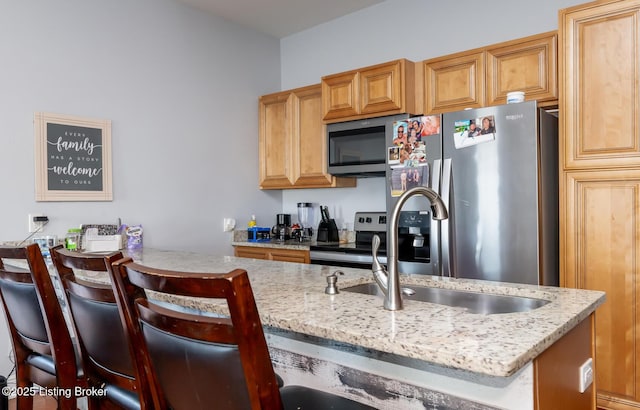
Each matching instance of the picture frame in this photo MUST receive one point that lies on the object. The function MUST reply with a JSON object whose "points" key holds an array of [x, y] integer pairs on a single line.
{"points": [[72, 158]]}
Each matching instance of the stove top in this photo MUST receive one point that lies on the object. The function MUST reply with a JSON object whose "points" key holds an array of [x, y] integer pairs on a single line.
{"points": [[366, 225]]}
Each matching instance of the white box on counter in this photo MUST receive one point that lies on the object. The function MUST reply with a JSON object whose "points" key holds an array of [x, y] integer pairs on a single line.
{"points": [[93, 242]]}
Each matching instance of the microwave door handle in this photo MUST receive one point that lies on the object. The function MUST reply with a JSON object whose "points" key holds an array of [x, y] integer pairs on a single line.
{"points": [[447, 225]]}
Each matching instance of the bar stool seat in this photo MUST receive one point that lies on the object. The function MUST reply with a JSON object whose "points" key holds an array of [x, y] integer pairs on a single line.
{"points": [[204, 362], [42, 344], [106, 353]]}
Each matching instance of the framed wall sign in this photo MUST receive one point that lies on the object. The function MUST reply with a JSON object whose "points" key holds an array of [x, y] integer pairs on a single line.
{"points": [[73, 158]]}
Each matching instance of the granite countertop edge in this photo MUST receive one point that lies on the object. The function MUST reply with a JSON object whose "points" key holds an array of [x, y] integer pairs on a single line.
{"points": [[290, 296]]}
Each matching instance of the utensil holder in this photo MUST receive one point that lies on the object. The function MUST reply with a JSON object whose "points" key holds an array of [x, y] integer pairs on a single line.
{"points": [[328, 231]]}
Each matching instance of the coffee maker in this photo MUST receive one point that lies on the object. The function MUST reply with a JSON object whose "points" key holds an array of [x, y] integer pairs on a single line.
{"points": [[282, 229]]}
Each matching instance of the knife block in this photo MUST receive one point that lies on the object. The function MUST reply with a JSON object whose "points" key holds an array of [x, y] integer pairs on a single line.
{"points": [[327, 231]]}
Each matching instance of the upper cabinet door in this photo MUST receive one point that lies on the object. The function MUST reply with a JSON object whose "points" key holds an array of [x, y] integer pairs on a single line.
{"points": [[292, 141], [527, 65], [382, 88], [454, 82], [310, 139], [600, 49], [275, 144], [340, 95]]}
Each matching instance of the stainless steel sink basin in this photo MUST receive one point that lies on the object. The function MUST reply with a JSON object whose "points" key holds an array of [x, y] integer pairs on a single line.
{"points": [[474, 302]]}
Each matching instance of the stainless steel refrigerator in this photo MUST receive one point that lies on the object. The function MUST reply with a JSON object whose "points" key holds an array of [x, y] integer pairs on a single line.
{"points": [[496, 168]]}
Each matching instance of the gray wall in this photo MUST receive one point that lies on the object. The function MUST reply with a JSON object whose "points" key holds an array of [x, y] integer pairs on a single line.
{"points": [[181, 90], [413, 29]]}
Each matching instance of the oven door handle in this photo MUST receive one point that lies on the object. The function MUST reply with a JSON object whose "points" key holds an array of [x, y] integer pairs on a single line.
{"points": [[343, 257]]}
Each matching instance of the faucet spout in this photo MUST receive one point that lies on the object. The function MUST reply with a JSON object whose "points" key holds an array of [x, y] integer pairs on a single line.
{"points": [[389, 281]]}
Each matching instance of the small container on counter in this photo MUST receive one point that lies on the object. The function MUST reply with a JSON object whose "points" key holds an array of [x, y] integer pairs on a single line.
{"points": [[258, 234], [72, 239], [343, 235]]}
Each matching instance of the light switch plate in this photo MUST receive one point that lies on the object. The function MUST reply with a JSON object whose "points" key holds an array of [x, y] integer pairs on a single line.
{"points": [[586, 375]]}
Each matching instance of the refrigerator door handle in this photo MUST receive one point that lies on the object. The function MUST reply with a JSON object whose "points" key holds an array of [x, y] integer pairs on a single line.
{"points": [[446, 225], [434, 247]]}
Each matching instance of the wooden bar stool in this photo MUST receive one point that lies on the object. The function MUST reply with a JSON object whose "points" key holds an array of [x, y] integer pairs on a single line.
{"points": [[106, 354], [42, 345], [203, 362]]}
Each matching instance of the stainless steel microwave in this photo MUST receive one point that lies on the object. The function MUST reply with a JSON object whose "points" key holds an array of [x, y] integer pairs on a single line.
{"points": [[358, 148]]}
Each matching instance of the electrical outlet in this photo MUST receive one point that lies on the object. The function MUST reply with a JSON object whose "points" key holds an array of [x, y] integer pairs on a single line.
{"points": [[33, 225], [586, 375], [228, 224]]}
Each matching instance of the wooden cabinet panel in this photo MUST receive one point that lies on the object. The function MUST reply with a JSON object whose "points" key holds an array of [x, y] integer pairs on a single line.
{"points": [[251, 252], [600, 232], [289, 255], [274, 254], [556, 371], [454, 82], [523, 65], [383, 89], [340, 95], [292, 141], [484, 76], [601, 56], [599, 49], [310, 146], [275, 141]]}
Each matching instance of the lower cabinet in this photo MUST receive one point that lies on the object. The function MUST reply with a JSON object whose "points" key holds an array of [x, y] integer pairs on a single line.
{"points": [[273, 254], [600, 227]]}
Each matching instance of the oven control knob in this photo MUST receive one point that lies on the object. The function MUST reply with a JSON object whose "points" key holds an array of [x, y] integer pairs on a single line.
{"points": [[368, 220], [361, 220]]}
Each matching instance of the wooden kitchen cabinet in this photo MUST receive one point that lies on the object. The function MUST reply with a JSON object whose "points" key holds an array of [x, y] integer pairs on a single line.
{"points": [[528, 65], [454, 82], [273, 254], [292, 142], [383, 89], [556, 374], [600, 250], [483, 76], [600, 68], [600, 182]]}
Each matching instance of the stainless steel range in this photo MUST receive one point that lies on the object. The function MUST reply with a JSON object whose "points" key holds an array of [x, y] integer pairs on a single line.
{"points": [[358, 254]]}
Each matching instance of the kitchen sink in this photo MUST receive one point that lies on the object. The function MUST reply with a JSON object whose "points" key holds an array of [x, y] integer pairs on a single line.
{"points": [[474, 302]]}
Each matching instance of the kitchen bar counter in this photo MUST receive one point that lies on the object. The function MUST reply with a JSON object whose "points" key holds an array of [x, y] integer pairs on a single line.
{"points": [[291, 297], [425, 356]]}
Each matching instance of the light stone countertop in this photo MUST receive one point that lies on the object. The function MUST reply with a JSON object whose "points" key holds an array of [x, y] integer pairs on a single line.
{"points": [[240, 238], [290, 244], [290, 296]]}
